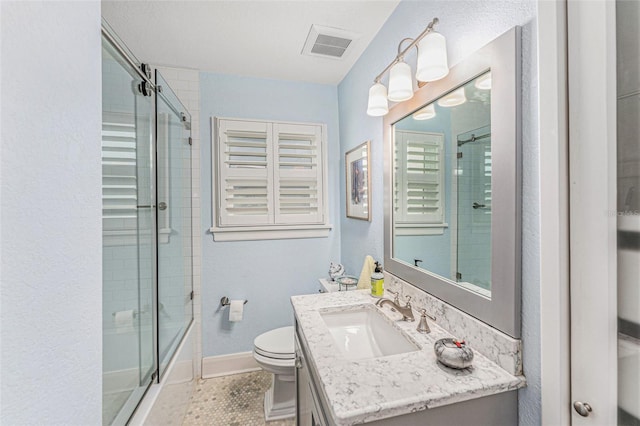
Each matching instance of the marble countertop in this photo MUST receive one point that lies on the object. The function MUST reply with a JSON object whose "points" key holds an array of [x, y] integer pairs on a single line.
{"points": [[360, 391]]}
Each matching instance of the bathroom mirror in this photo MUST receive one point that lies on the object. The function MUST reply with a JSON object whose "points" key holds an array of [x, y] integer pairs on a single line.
{"points": [[452, 186]]}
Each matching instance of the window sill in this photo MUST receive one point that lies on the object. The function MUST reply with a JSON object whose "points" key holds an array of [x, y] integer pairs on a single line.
{"points": [[283, 232], [404, 229]]}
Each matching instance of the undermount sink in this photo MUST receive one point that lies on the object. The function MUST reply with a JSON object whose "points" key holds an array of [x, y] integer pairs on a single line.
{"points": [[365, 332]]}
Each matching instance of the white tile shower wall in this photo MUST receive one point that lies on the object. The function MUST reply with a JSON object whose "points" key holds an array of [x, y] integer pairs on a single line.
{"points": [[186, 85], [495, 345]]}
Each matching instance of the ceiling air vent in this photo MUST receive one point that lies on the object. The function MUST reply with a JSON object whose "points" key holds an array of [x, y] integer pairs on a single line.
{"points": [[327, 42]]}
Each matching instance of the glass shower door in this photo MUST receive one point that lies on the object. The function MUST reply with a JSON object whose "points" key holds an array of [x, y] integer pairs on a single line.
{"points": [[474, 210], [173, 151], [128, 237]]}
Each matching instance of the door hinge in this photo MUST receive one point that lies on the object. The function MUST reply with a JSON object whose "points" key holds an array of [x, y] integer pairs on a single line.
{"points": [[190, 141], [458, 276], [191, 295], [459, 155]]}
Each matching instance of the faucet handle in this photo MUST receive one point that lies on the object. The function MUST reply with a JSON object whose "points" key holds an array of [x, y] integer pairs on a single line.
{"points": [[408, 305], [395, 296]]}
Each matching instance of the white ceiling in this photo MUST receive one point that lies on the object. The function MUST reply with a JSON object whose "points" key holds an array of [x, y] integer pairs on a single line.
{"points": [[249, 38]]}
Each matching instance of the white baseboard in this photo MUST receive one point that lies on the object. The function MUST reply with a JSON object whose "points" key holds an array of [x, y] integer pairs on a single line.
{"points": [[225, 365]]}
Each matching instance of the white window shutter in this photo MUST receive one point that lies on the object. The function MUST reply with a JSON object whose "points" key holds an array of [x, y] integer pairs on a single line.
{"points": [[419, 189], [119, 181], [245, 197], [298, 179]]}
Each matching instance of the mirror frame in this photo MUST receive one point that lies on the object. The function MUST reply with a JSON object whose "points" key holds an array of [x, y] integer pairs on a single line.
{"points": [[502, 311]]}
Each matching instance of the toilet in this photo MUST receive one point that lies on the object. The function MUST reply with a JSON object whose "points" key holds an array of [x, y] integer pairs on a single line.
{"points": [[274, 351]]}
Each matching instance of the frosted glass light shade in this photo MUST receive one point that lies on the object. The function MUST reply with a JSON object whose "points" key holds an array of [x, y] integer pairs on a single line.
{"points": [[400, 83], [378, 104], [483, 82], [455, 98], [425, 113], [432, 58]]}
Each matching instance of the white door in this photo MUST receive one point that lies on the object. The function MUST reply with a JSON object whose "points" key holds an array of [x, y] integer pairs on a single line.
{"points": [[604, 157]]}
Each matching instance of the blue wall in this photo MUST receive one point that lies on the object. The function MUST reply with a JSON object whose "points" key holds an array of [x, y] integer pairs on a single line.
{"points": [[267, 273], [468, 25]]}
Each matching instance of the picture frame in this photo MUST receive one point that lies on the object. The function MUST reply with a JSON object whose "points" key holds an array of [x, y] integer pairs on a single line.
{"points": [[358, 182]]}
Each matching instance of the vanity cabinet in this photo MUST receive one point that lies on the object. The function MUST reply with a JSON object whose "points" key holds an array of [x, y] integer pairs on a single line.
{"points": [[311, 409], [314, 407]]}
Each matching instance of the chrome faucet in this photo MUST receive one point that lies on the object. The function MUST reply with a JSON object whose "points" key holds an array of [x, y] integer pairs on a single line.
{"points": [[407, 313]]}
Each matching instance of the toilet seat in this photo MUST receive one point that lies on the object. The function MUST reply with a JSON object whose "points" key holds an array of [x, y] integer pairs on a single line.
{"points": [[275, 344]]}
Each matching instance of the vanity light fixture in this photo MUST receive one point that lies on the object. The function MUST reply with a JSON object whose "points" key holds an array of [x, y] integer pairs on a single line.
{"points": [[400, 82], [431, 65], [455, 98], [425, 113], [432, 58], [483, 82], [378, 104]]}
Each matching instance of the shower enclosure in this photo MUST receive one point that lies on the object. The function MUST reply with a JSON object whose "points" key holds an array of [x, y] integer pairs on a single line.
{"points": [[473, 260], [147, 230]]}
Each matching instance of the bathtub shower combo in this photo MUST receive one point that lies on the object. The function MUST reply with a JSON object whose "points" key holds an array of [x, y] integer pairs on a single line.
{"points": [[147, 229]]}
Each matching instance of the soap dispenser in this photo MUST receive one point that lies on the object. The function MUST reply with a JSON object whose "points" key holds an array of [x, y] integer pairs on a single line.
{"points": [[377, 282]]}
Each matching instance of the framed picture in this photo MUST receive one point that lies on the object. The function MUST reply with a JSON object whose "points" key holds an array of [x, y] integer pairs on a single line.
{"points": [[359, 182]]}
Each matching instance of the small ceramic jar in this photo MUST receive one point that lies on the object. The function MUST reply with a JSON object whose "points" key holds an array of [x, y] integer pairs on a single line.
{"points": [[453, 353]]}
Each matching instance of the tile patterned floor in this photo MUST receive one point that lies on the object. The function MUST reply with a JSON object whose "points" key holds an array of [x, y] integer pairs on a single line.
{"points": [[231, 401]]}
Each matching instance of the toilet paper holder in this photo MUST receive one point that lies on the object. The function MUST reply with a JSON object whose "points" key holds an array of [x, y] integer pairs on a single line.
{"points": [[225, 301]]}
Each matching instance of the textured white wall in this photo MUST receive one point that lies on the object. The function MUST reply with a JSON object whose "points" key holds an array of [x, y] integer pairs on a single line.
{"points": [[51, 238]]}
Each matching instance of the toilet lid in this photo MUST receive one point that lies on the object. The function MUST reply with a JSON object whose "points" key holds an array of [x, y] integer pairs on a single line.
{"points": [[275, 342]]}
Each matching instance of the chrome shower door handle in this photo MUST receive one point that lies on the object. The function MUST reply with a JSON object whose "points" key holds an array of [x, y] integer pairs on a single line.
{"points": [[582, 408], [162, 205]]}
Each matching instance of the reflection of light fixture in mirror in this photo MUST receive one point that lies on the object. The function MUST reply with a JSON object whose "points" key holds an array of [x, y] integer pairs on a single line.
{"points": [[425, 113], [483, 82], [432, 65], [432, 58], [400, 83], [455, 98], [378, 104]]}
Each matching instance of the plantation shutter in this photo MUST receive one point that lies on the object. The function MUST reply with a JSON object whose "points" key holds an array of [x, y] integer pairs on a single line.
{"points": [[245, 195], [420, 177], [119, 182], [297, 153]]}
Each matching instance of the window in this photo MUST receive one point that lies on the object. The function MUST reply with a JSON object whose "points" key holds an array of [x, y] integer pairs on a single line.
{"points": [[419, 205], [269, 181]]}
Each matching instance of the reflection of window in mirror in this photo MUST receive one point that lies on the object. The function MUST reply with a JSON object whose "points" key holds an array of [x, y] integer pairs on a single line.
{"points": [[442, 186], [419, 206]]}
